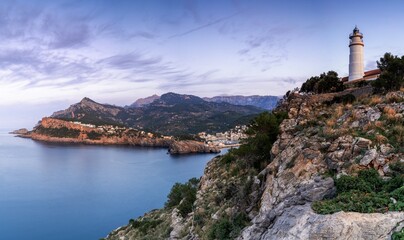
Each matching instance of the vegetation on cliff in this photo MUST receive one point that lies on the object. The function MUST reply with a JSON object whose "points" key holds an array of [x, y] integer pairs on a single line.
{"points": [[366, 193], [325, 83], [392, 76]]}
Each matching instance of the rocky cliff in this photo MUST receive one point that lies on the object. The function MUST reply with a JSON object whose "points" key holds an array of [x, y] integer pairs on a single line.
{"points": [[322, 140]]}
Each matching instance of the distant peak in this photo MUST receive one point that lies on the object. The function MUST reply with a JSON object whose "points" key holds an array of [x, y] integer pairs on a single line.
{"points": [[86, 99]]}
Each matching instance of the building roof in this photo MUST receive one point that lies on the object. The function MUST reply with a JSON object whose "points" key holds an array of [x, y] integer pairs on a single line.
{"points": [[366, 74], [372, 72]]}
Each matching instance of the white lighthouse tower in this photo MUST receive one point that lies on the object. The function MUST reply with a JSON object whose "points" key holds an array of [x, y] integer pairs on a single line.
{"points": [[356, 55]]}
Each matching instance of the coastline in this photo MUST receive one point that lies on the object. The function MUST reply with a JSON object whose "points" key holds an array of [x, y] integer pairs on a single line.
{"points": [[181, 147]]}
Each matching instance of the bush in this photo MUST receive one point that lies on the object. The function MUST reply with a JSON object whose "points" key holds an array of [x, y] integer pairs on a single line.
{"points": [[228, 227], [263, 132], [392, 76], [94, 135], [62, 132], [325, 83], [398, 235], [183, 196], [364, 193], [144, 225], [345, 99]]}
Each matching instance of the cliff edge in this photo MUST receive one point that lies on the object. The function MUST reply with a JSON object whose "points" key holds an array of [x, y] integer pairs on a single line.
{"points": [[323, 139]]}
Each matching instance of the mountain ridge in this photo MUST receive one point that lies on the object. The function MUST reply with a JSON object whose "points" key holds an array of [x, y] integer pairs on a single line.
{"points": [[171, 114], [267, 102]]}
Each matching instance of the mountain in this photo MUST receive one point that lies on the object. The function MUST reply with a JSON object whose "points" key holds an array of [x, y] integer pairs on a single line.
{"points": [[265, 102], [334, 171], [171, 114], [144, 101]]}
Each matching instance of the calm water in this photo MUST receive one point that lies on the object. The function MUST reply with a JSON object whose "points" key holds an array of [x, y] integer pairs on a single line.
{"points": [[82, 192]]}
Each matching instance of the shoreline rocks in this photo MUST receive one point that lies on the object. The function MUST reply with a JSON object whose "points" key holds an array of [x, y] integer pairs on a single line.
{"points": [[21, 131], [190, 146]]}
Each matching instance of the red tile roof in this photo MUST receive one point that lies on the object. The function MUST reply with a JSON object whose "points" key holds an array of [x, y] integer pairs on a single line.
{"points": [[372, 72], [366, 74]]}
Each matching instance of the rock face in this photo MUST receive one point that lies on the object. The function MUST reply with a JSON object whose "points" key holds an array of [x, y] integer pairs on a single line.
{"points": [[189, 146], [300, 222]]}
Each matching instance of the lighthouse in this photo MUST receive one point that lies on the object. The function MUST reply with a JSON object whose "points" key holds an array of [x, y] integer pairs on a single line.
{"points": [[356, 55]]}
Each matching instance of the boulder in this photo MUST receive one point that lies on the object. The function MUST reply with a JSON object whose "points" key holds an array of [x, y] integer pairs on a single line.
{"points": [[370, 155]]}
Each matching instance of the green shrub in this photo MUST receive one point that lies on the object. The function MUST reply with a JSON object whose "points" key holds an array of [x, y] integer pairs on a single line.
{"points": [[228, 158], [62, 132], [228, 227], [183, 196], [392, 76], [262, 132], [94, 135], [398, 235], [325, 83], [144, 225], [364, 193], [345, 99]]}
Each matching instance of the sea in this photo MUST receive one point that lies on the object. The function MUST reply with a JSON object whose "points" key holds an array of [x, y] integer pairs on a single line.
{"points": [[61, 192]]}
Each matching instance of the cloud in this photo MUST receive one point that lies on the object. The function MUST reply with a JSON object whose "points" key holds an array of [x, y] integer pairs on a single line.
{"points": [[132, 60], [266, 48], [143, 34], [203, 26], [370, 65]]}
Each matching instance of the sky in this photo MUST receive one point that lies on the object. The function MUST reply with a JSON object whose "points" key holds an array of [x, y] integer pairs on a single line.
{"points": [[53, 53]]}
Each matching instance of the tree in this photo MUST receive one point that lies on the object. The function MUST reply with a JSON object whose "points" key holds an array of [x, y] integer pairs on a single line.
{"points": [[325, 83], [392, 73], [262, 132]]}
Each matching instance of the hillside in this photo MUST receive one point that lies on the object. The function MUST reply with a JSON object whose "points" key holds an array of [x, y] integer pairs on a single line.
{"points": [[171, 114], [333, 171]]}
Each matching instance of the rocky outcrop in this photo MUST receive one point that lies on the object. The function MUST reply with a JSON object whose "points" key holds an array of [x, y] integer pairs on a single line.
{"points": [[190, 146], [21, 131]]}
